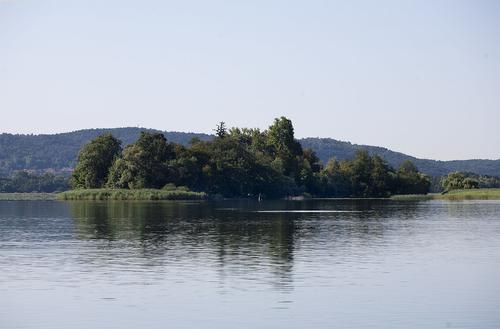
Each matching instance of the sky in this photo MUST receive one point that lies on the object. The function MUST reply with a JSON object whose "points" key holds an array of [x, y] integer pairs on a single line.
{"points": [[419, 77]]}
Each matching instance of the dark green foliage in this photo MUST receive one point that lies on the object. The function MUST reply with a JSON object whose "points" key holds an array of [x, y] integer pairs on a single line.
{"points": [[363, 177], [371, 176], [245, 163], [25, 182], [410, 181], [284, 147], [334, 179], [143, 164], [94, 162], [231, 166], [221, 130], [58, 153], [327, 148]]}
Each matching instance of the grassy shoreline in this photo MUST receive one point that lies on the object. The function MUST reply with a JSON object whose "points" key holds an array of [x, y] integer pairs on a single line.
{"points": [[472, 194], [182, 194], [31, 196], [124, 194]]}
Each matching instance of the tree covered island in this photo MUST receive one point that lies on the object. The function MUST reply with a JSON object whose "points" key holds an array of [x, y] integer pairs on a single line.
{"points": [[238, 162]]}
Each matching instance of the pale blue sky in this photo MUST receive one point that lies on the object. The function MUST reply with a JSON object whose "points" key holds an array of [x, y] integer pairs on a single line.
{"points": [[420, 77]]}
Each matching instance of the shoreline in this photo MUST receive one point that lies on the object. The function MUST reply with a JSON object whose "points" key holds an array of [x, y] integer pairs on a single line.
{"points": [[28, 196], [186, 195], [124, 194], [457, 195]]}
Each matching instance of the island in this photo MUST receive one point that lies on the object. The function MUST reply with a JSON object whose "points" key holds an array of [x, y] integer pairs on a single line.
{"points": [[237, 163]]}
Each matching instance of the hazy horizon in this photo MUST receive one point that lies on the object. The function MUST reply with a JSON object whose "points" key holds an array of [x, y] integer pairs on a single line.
{"points": [[421, 78]]}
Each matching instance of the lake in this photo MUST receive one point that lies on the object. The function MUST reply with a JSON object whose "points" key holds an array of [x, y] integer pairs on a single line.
{"points": [[243, 264]]}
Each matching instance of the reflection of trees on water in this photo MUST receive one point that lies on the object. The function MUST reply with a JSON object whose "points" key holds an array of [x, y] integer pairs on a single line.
{"points": [[245, 240], [240, 242], [236, 242], [470, 208]]}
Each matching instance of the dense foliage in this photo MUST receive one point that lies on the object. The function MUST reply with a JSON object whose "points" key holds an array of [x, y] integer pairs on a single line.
{"points": [[327, 148], [25, 182], [240, 163], [370, 176], [59, 152], [463, 180], [410, 180], [94, 161]]}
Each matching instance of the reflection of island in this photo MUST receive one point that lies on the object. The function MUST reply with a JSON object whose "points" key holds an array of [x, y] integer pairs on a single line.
{"points": [[239, 243], [236, 240]]}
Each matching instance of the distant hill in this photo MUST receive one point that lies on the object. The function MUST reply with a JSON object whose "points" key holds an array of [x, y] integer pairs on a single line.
{"points": [[327, 148], [58, 152]]}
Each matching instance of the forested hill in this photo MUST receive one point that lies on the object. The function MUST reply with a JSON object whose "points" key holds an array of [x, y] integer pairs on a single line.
{"points": [[58, 152], [327, 148]]}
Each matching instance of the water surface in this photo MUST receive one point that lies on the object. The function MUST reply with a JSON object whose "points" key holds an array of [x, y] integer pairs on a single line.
{"points": [[241, 264]]}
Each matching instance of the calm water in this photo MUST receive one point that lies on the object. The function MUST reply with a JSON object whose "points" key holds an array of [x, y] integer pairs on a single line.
{"points": [[301, 264]]}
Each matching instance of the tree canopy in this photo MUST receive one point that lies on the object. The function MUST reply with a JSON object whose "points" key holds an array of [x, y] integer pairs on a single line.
{"points": [[240, 163], [458, 180], [57, 153], [95, 160], [142, 164], [26, 182]]}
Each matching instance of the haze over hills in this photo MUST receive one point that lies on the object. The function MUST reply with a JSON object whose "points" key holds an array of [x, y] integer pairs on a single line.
{"points": [[58, 152]]}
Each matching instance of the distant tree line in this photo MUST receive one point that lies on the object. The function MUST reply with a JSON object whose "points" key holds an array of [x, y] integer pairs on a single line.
{"points": [[464, 180], [58, 152], [26, 182], [240, 163]]}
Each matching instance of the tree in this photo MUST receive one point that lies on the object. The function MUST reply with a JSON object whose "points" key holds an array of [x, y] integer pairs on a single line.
{"points": [[242, 163], [381, 178], [281, 138], [407, 167], [457, 180], [221, 130], [334, 182], [94, 162], [25, 182], [360, 174], [283, 146], [144, 163], [410, 180], [309, 167], [453, 181], [471, 183]]}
